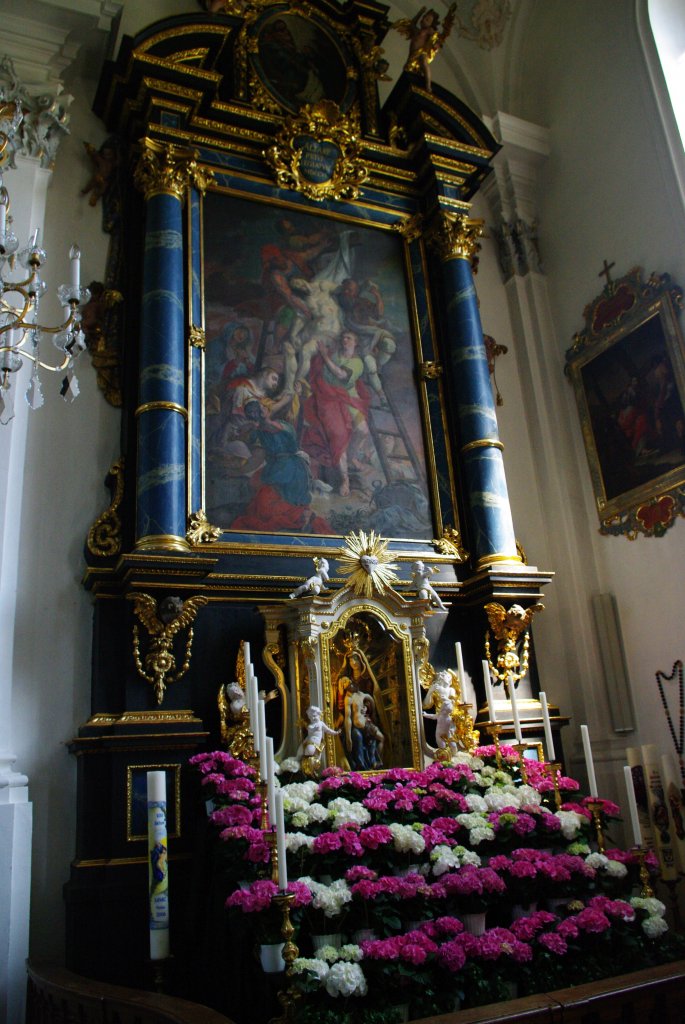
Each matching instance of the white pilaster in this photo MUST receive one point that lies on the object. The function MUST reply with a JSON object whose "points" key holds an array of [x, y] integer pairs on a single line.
{"points": [[567, 645]]}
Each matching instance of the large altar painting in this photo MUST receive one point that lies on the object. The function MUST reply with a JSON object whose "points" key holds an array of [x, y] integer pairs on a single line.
{"points": [[312, 419]]}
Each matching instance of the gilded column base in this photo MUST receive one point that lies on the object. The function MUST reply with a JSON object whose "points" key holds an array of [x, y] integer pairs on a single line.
{"points": [[162, 542], [485, 561]]}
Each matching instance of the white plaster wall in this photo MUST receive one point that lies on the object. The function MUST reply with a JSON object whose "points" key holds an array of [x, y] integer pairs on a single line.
{"points": [[69, 449]]}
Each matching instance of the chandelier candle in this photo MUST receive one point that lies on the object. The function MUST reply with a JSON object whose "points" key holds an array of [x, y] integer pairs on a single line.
{"points": [[549, 739], [158, 868], [589, 763]]}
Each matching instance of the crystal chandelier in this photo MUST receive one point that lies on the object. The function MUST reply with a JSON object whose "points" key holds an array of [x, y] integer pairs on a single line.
{"points": [[20, 332]]}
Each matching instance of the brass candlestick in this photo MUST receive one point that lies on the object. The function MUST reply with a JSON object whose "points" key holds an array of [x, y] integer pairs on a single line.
{"points": [[554, 767], [262, 788], [519, 748], [273, 847], [287, 997], [494, 731], [595, 806], [646, 891]]}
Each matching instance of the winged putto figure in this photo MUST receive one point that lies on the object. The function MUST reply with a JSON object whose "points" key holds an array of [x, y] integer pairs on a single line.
{"points": [[426, 39], [162, 623]]}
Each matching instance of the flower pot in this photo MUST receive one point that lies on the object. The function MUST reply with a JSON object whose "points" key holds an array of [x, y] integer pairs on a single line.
{"points": [[474, 923], [334, 939], [523, 910], [363, 935], [271, 957]]}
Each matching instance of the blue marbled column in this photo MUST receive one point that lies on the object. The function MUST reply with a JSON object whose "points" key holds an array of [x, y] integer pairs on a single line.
{"points": [[467, 376], [196, 444], [161, 413]]}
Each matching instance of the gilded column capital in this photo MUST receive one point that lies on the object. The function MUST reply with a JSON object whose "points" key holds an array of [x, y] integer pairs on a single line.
{"points": [[455, 236], [166, 169]]}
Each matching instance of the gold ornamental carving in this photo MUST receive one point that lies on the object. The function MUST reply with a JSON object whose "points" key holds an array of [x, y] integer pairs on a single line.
{"points": [[430, 370], [367, 561], [162, 623], [317, 152], [104, 536], [200, 530], [509, 627], [197, 337], [411, 227], [451, 544], [455, 236], [166, 169]]}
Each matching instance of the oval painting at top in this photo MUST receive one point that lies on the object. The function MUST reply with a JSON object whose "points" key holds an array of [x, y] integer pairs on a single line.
{"points": [[299, 63]]}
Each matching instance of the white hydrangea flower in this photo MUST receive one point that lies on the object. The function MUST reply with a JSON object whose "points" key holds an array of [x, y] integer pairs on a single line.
{"points": [[476, 764], [529, 797], [306, 791], [328, 953], [317, 813], [406, 839], [653, 927], [300, 819], [468, 856], [616, 870], [474, 802], [496, 799], [481, 835], [317, 967], [294, 803], [294, 841], [351, 952], [571, 823], [444, 859], [483, 780], [579, 848], [597, 861], [288, 764], [345, 979], [653, 906], [345, 813]]}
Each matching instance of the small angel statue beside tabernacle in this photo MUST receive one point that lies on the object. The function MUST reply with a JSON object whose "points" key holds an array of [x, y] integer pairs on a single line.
{"points": [[420, 578], [236, 699], [312, 744], [445, 729], [440, 689], [426, 39], [316, 583]]}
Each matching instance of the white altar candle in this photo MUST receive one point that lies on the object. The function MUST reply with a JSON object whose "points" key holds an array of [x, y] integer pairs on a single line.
{"points": [[460, 668], [261, 730], [589, 764], [254, 700], [75, 260], [489, 694], [515, 712], [632, 806], [270, 780], [158, 869], [280, 842], [549, 739]]}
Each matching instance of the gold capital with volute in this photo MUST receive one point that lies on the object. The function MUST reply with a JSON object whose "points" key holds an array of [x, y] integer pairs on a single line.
{"points": [[455, 236], [166, 169]]}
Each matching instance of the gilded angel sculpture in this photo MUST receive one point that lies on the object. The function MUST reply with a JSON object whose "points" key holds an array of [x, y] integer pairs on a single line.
{"points": [[426, 39], [162, 623]]}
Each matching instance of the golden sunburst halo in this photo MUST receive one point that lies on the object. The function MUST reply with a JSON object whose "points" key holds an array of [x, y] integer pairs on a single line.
{"points": [[365, 559]]}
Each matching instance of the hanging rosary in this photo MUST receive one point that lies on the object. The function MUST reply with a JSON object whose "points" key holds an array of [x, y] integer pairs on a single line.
{"points": [[661, 677]]}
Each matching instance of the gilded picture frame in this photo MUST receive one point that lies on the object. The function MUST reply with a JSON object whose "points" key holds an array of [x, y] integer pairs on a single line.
{"points": [[369, 693], [282, 285], [628, 372], [136, 800]]}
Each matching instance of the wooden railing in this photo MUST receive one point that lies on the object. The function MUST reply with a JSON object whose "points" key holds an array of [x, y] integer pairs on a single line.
{"points": [[56, 996], [654, 996]]}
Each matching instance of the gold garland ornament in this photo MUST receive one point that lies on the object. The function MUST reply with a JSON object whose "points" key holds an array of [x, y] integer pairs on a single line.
{"points": [[317, 153], [365, 559], [508, 627], [162, 623]]}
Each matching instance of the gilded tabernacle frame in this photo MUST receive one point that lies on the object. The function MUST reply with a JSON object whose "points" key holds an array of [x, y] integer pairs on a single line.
{"points": [[628, 372], [316, 420]]}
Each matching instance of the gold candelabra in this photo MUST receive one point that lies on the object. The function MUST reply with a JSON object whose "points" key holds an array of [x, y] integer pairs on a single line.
{"points": [[595, 806], [494, 731], [520, 748], [646, 891], [288, 996], [553, 768]]}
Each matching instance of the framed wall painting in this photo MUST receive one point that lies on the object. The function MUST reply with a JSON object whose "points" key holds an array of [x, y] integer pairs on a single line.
{"points": [[313, 421], [628, 372]]}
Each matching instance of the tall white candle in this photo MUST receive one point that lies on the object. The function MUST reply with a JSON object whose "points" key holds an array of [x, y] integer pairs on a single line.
{"points": [[247, 657], [632, 806], [549, 739], [261, 730], [3, 219], [515, 712], [280, 842], [254, 699], [158, 869], [270, 780], [489, 694], [460, 668], [589, 763]]}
